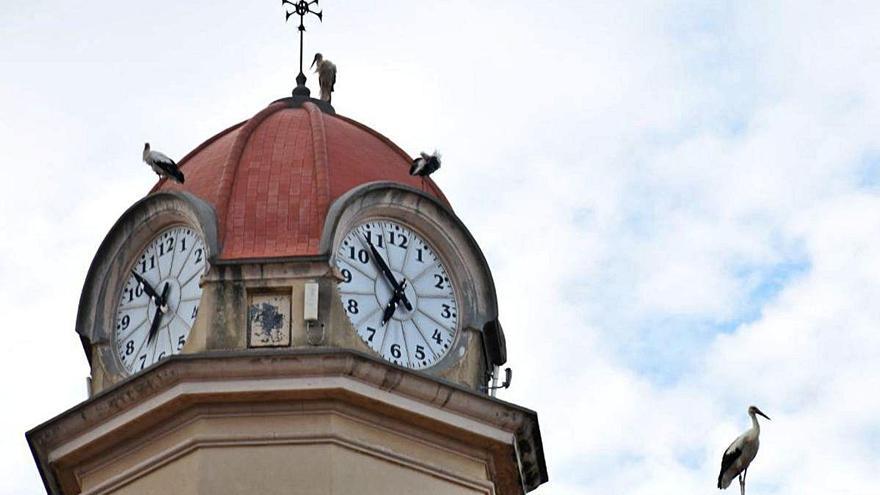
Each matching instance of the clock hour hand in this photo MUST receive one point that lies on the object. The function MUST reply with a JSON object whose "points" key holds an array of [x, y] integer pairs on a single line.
{"points": [[157, 318], [147, 287], [392, 304], [383, 267], [389, 310]]}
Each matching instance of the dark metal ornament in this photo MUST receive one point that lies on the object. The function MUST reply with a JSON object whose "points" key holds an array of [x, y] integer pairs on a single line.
{"points": [[301, 8]]}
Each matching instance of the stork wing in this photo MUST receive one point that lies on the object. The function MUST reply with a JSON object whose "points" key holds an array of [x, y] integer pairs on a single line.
{"points": [[331, 75], [730, 456], [417, 167], [167, 165], [160, 157], [327, 77]]}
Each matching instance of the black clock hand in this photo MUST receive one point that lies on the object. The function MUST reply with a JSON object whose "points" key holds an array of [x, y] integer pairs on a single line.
{"points": [[383, 267], [147, 287], [389, 310], [392, 304], [154, 325]]}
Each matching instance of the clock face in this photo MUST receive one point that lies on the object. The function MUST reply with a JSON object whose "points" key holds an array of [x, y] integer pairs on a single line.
{"points": [[160, 299], [397, 293]]}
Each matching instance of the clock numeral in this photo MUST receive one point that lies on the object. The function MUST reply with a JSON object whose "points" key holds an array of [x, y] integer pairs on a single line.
{"points": [[437, 336], [346, 274], [129, 347], [124, 322], [403, 241], [359, 255], [134, 293], [195, 312], [372, 333], [420, 352], [378, 239], [395, 350], [446, 313], [419, 255], [183, 245], [161, 355], [143, 361], [439, 283], [353, 306], [181, 342], [165, 250], [151, 260], [199, 254]]}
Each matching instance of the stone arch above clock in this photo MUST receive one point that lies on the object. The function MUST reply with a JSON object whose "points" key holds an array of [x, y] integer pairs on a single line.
{"points": [[271, 196], [129, 234]]}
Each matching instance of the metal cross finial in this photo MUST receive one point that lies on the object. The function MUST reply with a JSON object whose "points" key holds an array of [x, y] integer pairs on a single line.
{"points": [[301, 8]]}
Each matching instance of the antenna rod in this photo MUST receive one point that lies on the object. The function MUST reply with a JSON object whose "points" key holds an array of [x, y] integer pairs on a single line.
{"points": [[301, 31]]}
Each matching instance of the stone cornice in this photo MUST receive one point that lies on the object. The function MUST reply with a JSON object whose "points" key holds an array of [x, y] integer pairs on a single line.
{"points": [[185, 381]]}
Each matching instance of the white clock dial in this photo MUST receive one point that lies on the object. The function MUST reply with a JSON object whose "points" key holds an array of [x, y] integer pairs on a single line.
{"points": [[160, 299], [402, 302]]}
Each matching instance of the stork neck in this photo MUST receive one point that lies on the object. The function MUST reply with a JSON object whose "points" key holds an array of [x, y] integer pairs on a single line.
{"points": [[755, 424]]}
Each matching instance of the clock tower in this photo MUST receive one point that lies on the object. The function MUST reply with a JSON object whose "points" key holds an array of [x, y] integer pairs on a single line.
{"points": [[300, 316]]}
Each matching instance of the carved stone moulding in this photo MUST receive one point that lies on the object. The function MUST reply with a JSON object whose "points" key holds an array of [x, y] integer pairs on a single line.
{"points": [[222, 422]]}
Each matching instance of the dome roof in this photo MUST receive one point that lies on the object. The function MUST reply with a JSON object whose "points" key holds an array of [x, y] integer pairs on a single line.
{"points": [[272, 178]]}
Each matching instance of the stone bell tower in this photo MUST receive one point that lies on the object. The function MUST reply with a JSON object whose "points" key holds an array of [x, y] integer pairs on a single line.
{"points": [[300, 316]]}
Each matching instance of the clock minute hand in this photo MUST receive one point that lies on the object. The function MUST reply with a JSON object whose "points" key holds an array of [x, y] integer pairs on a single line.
{"points": [[383, 267], [147, 287]]}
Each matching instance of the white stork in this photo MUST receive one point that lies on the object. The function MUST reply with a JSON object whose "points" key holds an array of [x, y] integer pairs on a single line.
{"points": [[326, 71], [425, 165], [161, 164], [740, 454]]}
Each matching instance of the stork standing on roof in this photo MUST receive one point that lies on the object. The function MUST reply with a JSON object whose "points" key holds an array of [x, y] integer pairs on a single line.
{"points": [[740, 454], [425, 165], [326, 71], [161, 164]]}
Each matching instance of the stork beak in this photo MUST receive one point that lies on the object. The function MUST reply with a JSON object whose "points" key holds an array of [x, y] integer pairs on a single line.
{"points": [[758, 411], [314, 61]]}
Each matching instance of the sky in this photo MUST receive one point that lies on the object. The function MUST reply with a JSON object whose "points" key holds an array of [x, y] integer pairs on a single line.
{"points": [[679, 201]]}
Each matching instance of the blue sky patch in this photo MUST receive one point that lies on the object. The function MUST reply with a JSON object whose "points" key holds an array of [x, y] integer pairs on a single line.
{"points": [[868, 172], [665, 347]]}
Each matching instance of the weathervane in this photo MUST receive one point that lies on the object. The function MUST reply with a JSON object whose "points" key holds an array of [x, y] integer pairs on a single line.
{"points": [[301, 8]]}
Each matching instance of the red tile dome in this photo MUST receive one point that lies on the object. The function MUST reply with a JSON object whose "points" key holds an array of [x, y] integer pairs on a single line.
{"points": [[272, 178]]}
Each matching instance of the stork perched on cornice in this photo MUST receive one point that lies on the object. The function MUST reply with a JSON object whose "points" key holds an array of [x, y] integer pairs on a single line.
{"points": [[740, 454], [326, 71], [161, 164]]}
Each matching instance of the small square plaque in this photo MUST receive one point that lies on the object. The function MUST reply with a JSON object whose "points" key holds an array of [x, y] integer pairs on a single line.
{"points": [[269, 320]]}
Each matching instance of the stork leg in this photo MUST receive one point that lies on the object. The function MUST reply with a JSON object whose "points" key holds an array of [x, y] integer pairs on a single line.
{"points": [[742, 485], [745, 471]]}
